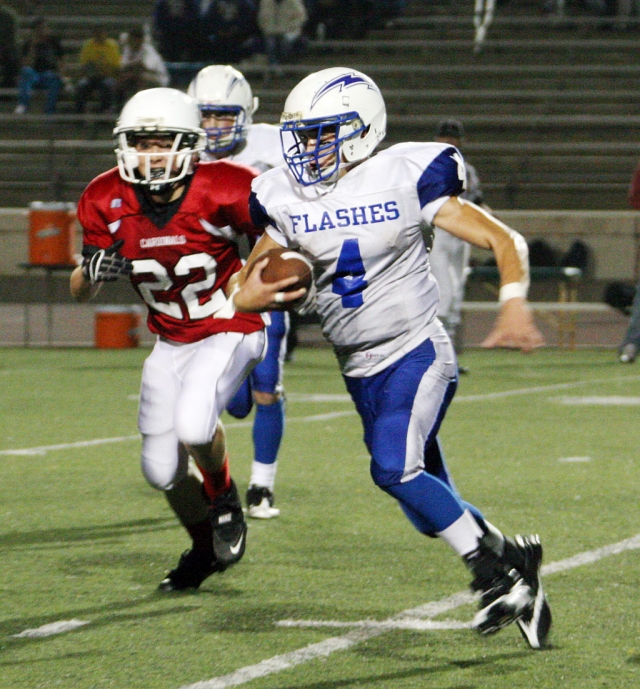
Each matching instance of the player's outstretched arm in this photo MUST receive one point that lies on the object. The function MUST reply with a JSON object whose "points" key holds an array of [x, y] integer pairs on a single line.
{"points": [[251, 293], [514, 327], [81, 289]]}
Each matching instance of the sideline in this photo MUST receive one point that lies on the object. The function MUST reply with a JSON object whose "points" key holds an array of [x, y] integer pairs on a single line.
{"points": [[366, 632]]}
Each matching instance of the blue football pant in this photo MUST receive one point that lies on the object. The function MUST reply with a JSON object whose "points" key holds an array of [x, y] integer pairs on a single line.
{"points": [[401, 409]]}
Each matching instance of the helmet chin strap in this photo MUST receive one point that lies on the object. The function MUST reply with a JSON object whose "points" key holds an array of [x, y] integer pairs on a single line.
{"points": [[161, 192]]}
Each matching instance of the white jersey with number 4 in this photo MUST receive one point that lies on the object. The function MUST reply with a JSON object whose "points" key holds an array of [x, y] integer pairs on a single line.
{"points": [[377, 299], [262, 151]]}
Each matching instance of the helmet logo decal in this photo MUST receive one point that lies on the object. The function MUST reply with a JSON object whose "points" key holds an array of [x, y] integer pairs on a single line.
{"points": [[342, 82], [231, 85]]}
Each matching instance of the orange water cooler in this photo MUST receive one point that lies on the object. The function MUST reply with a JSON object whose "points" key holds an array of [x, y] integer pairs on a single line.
{"points": [[52, 227], [117, 327]]}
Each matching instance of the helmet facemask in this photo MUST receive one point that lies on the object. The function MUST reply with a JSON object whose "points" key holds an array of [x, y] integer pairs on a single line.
{"points": [[320, 161], [224, 139], [137, 167]]}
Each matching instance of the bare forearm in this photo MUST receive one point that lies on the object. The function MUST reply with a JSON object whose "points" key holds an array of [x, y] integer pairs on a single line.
{"points": [[474, 225], [81, 289]]}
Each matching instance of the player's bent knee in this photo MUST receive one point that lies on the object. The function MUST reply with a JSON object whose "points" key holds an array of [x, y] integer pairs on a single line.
{"points": [[266, 399], [385, 478], [162, 464], [194, 430], [160, 476]]}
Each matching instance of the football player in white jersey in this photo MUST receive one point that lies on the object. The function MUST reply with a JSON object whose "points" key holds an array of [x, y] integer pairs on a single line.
{"points": [[360, 220], [226, 106]]}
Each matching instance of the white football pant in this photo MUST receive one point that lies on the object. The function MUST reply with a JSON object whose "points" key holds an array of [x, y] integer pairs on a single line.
{"points": [[185, 388]]}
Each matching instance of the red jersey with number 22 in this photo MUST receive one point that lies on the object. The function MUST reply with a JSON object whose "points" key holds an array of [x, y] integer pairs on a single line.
{"points": [[180, 269]]}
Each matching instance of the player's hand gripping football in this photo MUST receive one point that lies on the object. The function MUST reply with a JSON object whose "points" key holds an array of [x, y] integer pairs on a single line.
{"points": [[257, 295], [106, 265], [515, 328]]}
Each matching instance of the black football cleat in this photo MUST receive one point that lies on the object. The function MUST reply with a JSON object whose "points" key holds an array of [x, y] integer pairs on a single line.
{"points": [[260, 503], [229, 527], [525, 554], [193, 568], [504, 595]]}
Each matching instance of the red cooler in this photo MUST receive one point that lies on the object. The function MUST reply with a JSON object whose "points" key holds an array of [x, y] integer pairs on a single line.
{"points": [[117, 327], [52, 229]]}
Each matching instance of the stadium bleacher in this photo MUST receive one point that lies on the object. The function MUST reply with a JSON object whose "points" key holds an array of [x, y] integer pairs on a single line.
{"points": [[550, 105]]}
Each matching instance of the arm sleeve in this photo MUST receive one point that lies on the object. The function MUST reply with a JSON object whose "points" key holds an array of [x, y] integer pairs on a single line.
{"points": [[443, 177], [95, 233], [237, 211], [260, 217]]}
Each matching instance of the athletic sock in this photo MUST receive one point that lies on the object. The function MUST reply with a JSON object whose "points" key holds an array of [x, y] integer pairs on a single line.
{"points": [[263, 475], [268, 428], [216, 482], [463, 535]]}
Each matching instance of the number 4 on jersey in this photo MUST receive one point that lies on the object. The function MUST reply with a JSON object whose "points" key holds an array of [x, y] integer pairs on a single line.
{"points": [[349, 280]]}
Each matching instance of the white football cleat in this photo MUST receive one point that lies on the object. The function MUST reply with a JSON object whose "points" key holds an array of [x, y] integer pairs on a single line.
{"points": [[260, 503]]}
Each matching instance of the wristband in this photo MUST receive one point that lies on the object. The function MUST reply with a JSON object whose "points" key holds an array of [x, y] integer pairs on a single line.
{"points": [[513, 290]]}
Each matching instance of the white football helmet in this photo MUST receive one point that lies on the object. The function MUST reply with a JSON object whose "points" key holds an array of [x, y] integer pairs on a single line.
{"points": [[223, 90], [341, 105], [158, 112]]}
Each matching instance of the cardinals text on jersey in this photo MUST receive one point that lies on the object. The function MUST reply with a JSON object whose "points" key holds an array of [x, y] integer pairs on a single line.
{"points": [[182, 257]]}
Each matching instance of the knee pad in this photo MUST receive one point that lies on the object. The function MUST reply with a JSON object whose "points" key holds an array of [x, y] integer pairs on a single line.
{"points": [[385, 478], [194, 426], [242, 402], [162, 464]]}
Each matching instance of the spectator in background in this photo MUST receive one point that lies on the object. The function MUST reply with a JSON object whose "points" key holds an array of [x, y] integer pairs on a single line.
{"points": [[42, 57], [449, 257], [141, 67], [281, 23], [174, 26], [227, 30], [348, 19], [100, 64], [9, 54], [631, 343]]}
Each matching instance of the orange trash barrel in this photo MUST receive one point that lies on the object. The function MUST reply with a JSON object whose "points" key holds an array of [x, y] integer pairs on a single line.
{"points": [[117, 327], [52, 229]]}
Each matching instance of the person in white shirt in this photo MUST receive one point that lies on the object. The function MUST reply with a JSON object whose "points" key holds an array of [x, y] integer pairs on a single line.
{"points": [[360, 220], [227, 106], [449, 255], [141, 68]]}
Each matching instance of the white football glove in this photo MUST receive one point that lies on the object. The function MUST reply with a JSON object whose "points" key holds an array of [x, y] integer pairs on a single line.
{"points": [[106, 265]]}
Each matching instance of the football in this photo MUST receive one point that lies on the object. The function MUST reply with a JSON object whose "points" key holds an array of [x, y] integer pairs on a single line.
{"points": [[284, 263]]}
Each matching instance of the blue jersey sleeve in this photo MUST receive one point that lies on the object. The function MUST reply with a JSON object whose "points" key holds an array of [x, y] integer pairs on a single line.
{"points": [[258, 213], [442, 177]]}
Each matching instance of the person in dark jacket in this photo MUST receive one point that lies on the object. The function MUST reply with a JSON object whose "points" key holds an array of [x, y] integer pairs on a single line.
{"points": [[42, 56]]}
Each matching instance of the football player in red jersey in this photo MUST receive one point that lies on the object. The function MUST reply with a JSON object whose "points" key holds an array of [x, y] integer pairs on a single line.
{"points": [[169, 223]]}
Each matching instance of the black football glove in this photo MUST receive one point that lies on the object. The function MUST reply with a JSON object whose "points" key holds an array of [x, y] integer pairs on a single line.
{"points": [[106, 265]]}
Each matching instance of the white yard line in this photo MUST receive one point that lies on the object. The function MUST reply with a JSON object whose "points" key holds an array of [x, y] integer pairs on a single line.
{"points": [[598, 401], [329, 415], [369, 630], [42, 450], [50, 629], [540, 388]]}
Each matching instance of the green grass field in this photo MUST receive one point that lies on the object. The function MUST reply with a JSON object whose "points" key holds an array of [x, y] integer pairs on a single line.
{"points": [[84, 538]]}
